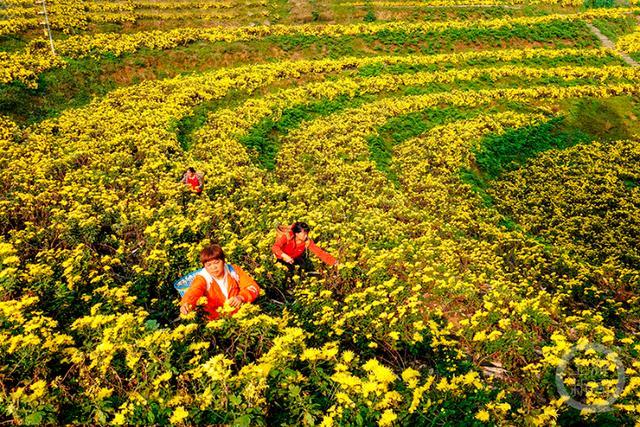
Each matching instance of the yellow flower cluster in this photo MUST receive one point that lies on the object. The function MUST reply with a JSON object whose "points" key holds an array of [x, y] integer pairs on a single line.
{"points": [[629, 43], [72, 15], [17, 24], [200, 14], [78, 46], [23, 65], [26, 66], [172, 5]]}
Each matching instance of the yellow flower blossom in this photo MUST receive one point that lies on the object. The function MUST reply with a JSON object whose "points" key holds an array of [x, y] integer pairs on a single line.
{"points": [[482, 415], [179, 415]]}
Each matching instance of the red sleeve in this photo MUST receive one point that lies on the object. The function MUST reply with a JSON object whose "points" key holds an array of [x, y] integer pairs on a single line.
{"points": [[249, 289], [197, 289], [278, 245], [326, 257]]}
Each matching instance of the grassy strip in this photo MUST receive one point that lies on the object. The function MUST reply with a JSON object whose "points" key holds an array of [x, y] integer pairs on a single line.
{"points": [[349, 12], [557, 33], [437, 14], [586, 120], [615, 28], [486, 82], [599, 3], [58, 90], [502, 153], [12, 43]]}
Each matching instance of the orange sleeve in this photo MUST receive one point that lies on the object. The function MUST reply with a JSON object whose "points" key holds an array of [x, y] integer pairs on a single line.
{"points": [[249, 288], [197, 289], [326, 257], [278, 245]]}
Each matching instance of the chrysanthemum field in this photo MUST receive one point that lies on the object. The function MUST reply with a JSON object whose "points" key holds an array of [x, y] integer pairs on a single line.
{"points": [[474, 165]]}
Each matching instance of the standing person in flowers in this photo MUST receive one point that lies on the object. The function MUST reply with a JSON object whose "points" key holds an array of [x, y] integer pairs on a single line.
{"points": [[219, 282], [291, 247], [194, 180]]}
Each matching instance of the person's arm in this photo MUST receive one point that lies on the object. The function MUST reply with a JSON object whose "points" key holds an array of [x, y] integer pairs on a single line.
{"points": [[184, 178], [277, 248], [324, 256], [197, 289], [249, 289]]}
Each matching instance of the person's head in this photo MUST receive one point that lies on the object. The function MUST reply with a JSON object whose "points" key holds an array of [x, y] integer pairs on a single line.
{"points": [[213, 260], [300, 230], [191, 172]]}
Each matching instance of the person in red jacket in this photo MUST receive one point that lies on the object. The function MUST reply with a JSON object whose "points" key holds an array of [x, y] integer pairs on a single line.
{"points": [[219, 282], [194, 180], [290, 248]]}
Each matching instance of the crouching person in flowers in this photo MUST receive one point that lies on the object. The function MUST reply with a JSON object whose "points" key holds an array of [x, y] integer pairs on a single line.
{"points": [[219, 282], [292, 246]]}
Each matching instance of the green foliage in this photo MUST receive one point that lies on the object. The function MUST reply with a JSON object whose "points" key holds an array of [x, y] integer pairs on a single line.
{"points": [[370, 16], [602, 119], [552, 32], [501, 153], [380, 68], [12, 42], [599, 3], [511, 150], [614, 28], [588, 119]]}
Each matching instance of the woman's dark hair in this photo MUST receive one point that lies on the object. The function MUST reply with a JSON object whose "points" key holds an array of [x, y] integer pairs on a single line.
{"points": [[299, 226], [192, 170], [211, 252]]}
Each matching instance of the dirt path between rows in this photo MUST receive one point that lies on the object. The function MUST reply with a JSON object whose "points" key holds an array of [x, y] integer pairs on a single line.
{"points": [[606, 42]]}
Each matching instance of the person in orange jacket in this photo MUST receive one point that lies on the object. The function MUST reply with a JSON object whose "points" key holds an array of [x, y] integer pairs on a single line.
{"points": [[290, 248], [219, 282]]}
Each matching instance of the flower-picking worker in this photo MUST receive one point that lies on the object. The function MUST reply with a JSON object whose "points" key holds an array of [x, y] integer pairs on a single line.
{"points": [[194, 180], [290, 247], [219, 282]]}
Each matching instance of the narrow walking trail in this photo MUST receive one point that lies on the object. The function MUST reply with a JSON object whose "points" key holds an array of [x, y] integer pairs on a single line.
{"points": [[606, 42]]}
